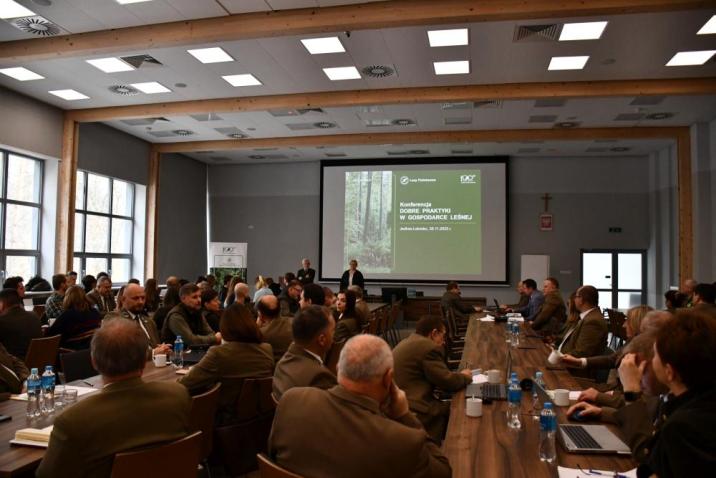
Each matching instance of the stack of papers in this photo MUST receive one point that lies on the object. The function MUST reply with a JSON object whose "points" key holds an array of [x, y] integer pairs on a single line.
{"points": [[565, 472], [487, 318], [80, 391], [33, 436]]}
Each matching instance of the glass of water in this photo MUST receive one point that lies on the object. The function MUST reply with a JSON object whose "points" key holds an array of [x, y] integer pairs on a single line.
{"points": [[59, 396], [70, 397]]}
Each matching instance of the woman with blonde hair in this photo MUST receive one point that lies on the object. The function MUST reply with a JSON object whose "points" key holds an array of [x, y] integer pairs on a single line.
{"points": [[77, 322], [262, 289]]}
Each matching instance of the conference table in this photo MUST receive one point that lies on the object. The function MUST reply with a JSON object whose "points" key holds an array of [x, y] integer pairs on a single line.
{"points": [[21, 461], [485, 446]]}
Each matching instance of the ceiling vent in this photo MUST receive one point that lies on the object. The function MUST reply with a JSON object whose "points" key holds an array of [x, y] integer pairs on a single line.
{"points": [[461, 151], [163, 134], [287, 112], [183, 132], [403, 122], [542, 119], [305, 111], [300, 126], [537, 33], [629, 117], [378, 71], [123, 90], [377, 123], [139, 61], [336, 155], [144, 121], [647, 100], [488, 104], [464, 105], [232, 132], [659, 116], [325, 125], [36, 25], [207, 117], [619, 149], [411, 152], [457, 121], [256, 156], [567, 124], [268, 156], [550, 103], [527, 150]]}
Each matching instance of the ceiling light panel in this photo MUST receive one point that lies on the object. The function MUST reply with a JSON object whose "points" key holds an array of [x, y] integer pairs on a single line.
{"points": [[110, 65], [12, 9], [21, 74], [690, 58], [342, 73], [451, 67], [567, 63], [320, 46], [151, 87], [69, 95], [210, 55], [454, 37], [582, 31], [708, 28], [242, 80], [128, 2]]}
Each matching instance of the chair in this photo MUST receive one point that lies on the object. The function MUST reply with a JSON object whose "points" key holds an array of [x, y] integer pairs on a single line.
{"points": [[42, 352], [77, 365], [178, 459], [333, 354], [616, 328], [269, 469], [201, 418]]}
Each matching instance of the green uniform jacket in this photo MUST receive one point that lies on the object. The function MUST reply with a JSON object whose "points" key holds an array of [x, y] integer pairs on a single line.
{"points": [[298, 368], [279, 334], [552, 314], [589, 336]]}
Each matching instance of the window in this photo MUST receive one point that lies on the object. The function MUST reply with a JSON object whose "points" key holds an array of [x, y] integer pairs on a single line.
{"points": [[20, 209], [618, 275], [104, 226]]}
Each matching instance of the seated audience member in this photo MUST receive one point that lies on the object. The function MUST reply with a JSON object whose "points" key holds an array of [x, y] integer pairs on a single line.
{"points": [[523, 296], [53, 306], [127, 413], [588, 336], [241, 355], [535, 299], [89, 282], [420, 369], [673, 299], [13, 373], [71, 278], [101, 297], [347, 322], [211, 308], [302, 364], [367, 414], [224, 290], [262, 289], [16, 283], [185, 319], [653, 320], [231, 295], [362, 309], [552, 313], [704, 298], [275, 329], [211, 280], [451, 300], [134, 280], [38, 284], [275, 288], [289, 297], [330, 297], [687, 288], [170, 300], [173, 282], [312, 294], [17, 326], [288, 277], [133, 309], [305, 274], [153, 300], [352, 276], [78, 321]]}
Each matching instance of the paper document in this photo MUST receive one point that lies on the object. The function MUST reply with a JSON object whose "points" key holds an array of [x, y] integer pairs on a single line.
{"points": [[565, 472], [80, 391], [487, 318], [479, 378]]}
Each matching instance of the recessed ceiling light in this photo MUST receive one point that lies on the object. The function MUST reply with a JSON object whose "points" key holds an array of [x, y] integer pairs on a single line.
{"points": [[582, 31], [12, 9], [687, 58], [454, 37], [210, 55], [127, 2], [69, 95], [110, 65], [21, 74], [709, 27], [151, 87], [342, 73], [319, 46], [242, 80], [451, 67], [567, 62]]}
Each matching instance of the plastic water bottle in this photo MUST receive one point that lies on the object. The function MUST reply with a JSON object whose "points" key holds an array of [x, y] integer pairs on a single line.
{"points": [[48, 391], [178, 358], [514, 398], [548, 430], [34, 385], [515, 333], [536, 404]]}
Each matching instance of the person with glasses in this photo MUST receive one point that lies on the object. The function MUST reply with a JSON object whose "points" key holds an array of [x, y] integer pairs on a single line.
{"points": [[289, 298]]}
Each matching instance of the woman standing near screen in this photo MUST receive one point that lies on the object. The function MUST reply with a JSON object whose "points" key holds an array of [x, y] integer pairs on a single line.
{"points": [[352, 276]]}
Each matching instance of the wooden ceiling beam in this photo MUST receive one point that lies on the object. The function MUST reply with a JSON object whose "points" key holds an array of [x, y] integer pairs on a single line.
{"points": [[402, 96], [425, 137], [390, 14]]}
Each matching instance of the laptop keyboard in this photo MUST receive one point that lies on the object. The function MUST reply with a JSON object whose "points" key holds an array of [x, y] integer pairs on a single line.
{"points": [[494, 391], [580, 437]]}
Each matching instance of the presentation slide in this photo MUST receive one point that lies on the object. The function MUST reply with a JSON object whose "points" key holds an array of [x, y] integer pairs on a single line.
{"points": [[419, 222]]}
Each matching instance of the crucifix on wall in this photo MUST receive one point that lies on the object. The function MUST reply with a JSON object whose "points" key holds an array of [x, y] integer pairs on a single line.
{"points": [[546, 221]]}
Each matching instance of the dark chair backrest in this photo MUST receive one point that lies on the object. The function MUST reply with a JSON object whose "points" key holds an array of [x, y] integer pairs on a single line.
{"points": [[333, 354], [201, 418], [269, 469], [178, 459], [77, 365], [255, 398], [42, 351]]}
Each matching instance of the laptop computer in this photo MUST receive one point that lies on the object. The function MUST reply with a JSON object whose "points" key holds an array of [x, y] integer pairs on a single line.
{"points": [[492, 391]]}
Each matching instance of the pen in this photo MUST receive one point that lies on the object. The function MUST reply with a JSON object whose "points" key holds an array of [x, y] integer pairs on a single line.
{"points": [[88, 383]]}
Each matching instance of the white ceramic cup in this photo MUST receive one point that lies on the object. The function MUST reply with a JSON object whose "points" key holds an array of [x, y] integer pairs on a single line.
{"points": [[561, 397], [555, 357], [494, 376], [473, 407], [160, 360]]}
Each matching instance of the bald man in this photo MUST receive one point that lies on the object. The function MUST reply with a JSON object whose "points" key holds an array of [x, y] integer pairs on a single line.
{"points": [[242, 293], [275, 329], [366, 413], [687, 287]]}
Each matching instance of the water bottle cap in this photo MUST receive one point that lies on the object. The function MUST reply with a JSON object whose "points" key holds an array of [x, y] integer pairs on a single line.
{"points": [[548, 405], [178, 336], [48, 368], [538, 374], [514, 375], [33, 371]]}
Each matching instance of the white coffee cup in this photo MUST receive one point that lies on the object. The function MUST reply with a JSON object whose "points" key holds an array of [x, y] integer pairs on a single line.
{"points": [[473, 407], [160, 360], [494, 376], [561, 397], [555, 357]]}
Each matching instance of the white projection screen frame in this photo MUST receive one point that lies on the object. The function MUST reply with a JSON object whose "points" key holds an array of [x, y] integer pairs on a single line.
{"points": [[416, 221]]}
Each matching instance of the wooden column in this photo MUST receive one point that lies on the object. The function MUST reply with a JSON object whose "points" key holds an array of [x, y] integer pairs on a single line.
{"points": [[66, 190], [150, 245], [686, 231]]}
